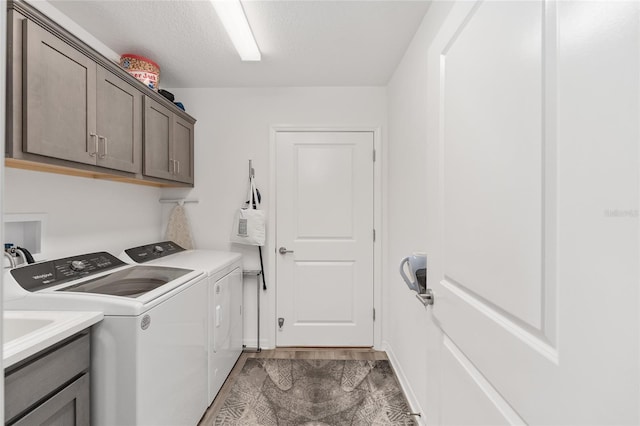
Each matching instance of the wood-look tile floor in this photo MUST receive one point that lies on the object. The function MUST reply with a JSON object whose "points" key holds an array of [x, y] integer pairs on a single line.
{"points": [[286, 353]]}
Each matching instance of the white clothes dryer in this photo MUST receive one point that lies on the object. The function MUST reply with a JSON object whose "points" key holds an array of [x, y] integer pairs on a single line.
{"points": [[225, 324], [149, 354]]}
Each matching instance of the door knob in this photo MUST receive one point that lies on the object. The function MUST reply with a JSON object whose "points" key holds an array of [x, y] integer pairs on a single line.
{"points": [[283, 250]]}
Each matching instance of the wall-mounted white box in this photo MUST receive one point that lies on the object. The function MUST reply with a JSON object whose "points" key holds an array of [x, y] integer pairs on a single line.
{"points": [[25, 230]]}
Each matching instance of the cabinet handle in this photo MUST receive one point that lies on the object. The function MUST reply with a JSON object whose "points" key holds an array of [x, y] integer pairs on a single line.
{"points": [[178, 161], [105, 147], [93, 135], [172, 167]]}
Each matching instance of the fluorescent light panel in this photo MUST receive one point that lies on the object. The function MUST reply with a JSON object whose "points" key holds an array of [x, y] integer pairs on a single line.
{"points": [[235, 22]]}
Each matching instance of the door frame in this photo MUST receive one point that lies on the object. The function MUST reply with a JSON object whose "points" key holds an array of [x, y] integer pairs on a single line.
{"points": [[379, 195], [3, 119]]}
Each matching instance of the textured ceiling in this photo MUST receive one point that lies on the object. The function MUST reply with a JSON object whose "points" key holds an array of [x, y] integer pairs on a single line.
{"points": [[303, 43]]}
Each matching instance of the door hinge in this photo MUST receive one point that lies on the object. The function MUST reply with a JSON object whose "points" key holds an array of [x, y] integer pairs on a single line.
{"points": [[374, 155], [374, 314], [374, 235]]}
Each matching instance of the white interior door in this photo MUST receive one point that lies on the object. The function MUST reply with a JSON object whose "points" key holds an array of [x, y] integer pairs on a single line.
{"points": [[325, 221], [533, 182]]}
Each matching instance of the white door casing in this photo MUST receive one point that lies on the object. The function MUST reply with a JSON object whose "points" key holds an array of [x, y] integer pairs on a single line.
{"points": [[533, 181], [3, 73], [324, 203]]}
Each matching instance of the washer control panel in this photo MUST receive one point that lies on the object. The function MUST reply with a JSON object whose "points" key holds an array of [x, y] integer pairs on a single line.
{"points": [[39, 276], [153, 251]]}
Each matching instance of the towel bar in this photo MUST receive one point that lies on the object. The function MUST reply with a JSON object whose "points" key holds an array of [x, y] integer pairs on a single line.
{"points": [[177, 200]]}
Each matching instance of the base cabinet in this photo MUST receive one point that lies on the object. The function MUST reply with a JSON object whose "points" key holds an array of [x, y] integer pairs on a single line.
{"points": [[68, 407], [51, 387]]}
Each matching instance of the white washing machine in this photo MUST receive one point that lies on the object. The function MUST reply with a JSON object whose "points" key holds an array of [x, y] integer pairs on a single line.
{"points": [[224, 271], [149, 354]]}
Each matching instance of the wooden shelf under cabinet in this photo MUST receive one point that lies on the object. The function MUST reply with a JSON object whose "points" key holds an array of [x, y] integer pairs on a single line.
{"points": [[72, 171]]}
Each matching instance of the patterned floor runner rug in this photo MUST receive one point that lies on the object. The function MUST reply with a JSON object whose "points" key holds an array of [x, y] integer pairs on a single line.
{"points": [[287, 392]]}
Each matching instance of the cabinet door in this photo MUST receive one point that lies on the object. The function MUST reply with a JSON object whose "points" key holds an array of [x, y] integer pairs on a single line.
{"points": [[69, 407], [119, 123], [59, 91], [158, 129], [183, 150]]}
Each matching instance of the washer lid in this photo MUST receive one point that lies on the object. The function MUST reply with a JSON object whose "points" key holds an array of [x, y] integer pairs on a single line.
{"points": [[131, 282]]}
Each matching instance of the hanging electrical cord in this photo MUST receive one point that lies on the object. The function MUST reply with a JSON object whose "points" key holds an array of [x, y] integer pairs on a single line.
{"points": [[255, 205]]}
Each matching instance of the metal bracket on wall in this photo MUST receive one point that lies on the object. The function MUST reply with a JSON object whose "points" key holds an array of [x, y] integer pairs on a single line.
{"points": [[252, 172], [426, 298]]}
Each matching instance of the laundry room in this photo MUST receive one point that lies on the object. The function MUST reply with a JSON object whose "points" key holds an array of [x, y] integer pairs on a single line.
{"points": [[453, 234]]}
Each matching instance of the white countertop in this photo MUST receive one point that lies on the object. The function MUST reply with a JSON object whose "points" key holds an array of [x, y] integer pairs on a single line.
{"points": [[28, 332]]}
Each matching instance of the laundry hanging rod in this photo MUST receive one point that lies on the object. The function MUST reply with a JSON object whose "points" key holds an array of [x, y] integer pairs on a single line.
{"points": [[178, 200]]}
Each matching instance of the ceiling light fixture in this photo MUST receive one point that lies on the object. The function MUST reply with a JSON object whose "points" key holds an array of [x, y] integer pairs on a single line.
{"points": [[235, 22]]}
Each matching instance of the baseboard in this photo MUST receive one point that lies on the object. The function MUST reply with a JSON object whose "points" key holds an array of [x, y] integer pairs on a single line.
{"points": [[404, 384]]}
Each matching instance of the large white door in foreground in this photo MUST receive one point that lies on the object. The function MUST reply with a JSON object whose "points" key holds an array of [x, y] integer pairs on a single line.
{"points": [[325, 234], [534, 183]]}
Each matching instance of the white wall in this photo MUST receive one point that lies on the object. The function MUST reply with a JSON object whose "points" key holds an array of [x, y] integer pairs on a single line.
{"points": [[234, 126], [84, 215], [409, 333]]}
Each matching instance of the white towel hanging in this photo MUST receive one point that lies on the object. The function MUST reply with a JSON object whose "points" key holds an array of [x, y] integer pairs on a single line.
{"points": [[178, 229]]}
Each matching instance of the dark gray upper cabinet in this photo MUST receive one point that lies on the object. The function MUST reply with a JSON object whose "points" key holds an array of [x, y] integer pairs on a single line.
{"points": [[158, 125], [168, 147], [183, 149], [70, 110], [75, 109], [119, 123], [59, 97]]}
